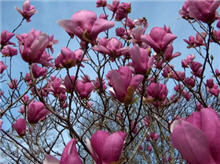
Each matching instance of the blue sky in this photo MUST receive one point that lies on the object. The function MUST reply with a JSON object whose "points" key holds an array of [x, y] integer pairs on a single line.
{"points": [[158, 13]]}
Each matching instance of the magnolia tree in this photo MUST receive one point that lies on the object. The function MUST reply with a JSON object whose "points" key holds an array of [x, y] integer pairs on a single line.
{"points": [[115, 99]]}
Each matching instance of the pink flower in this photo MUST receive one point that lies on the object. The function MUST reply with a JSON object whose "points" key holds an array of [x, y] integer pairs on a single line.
{"points": [[85, 25], [154, 136], [99, 84], [84, 88], [55, 85], [196, 42], [106, 148], [210, 83], [68, 83], [20, 126], [32, 45], [101, 3], [28, 10], [122, 11], [113, 47], [9, 51], [196, 68], [190, 81], [197, 137], [141, 60], [184, 11], [36, 111], [114, 6], [69, 155], [68, 58], [149, 148], [168, 54], [158, 39], [120, 32], [123, 83], [204, 10], [186, 62], [157, 91], [38, 71], [2, 67], [5, 37], [52, 41], [214, 90], [13, 84], [45, 60]]}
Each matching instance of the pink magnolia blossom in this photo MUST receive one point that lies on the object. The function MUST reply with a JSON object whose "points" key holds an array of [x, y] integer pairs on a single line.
{"points": [[5, 37], [85, 25], [52, 41], [68, 58], [149, 148], [69, 83], [178, 75], [214, 90], [210, 83], [21, 110], [106, 148], [204, 10], [28, 10], [190, 81], [114, 6], [186, 62], [123, 83], [99, 84], [45, 60], [32, 45], [69, 155], [55, 85], [154, 136], [122, 11], [156, 91], [184, 11], [2, 67], [168, 54], [186, 95], [84, 88], [196, 68], [113, 47], [121, 32], [20, 126], [13, 84], [101, 3], [196, 41], [158, 39], [216, 35], [36, 112], [9, 51], [38, 71], [141, 60], [197, 137]]}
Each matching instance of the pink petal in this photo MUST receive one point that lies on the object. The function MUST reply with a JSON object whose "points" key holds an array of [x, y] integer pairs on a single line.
{"points": [[100, 25], [98, 140], [68, 26], [192, 143], [49, 159], [113, 147]]}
